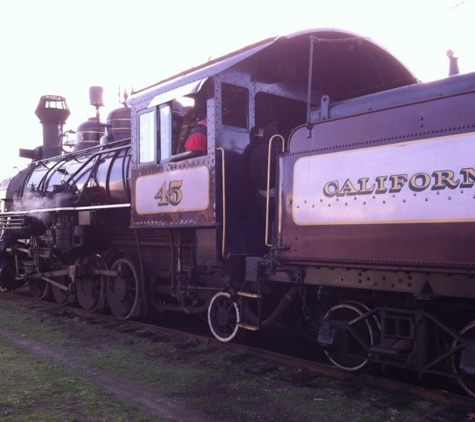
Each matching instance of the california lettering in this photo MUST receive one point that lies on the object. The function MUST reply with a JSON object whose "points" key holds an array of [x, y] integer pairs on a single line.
{"points": [[417, 182]]}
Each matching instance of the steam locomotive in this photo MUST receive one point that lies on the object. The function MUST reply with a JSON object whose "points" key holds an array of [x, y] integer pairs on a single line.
{"points": [[364, 224]]}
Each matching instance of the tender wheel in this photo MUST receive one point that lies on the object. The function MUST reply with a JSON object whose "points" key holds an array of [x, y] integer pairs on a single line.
{"points": [[466, 379], [223, 318], [124, 293], [374, 321], [346, 342], [90, 285], [39, 289], [63, 297]]}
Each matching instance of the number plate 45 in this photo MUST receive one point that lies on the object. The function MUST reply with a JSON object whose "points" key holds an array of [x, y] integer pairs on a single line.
{"points": [[171, 195], [178, 191]]}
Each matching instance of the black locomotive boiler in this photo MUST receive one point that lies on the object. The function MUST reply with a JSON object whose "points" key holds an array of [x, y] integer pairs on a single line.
{"points": [[331, 181]]}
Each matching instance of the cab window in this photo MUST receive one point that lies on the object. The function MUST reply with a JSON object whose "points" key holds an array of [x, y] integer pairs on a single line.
{"points": [[235, 105], [165, 132], [147, 137], [155, 135]]}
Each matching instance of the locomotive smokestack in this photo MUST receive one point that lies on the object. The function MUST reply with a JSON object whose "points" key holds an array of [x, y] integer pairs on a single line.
{"points": [[53, 111]]}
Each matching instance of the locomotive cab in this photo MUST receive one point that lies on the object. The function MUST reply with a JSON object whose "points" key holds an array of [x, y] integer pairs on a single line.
{"points": [[239, 95], [218, 222]]}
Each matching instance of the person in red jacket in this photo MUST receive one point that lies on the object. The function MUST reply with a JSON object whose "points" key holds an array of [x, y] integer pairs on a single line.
{"points": [[198, 139]]}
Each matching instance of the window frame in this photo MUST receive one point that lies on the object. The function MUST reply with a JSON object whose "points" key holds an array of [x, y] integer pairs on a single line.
{"points": [[165, 135], [234, 119], [147, 136]]}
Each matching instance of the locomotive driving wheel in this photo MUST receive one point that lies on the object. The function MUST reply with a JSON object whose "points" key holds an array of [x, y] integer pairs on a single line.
{"points": [[63, 297], [90, 285], [124, 292], [347, 339], [223, 318], [462, 361]]}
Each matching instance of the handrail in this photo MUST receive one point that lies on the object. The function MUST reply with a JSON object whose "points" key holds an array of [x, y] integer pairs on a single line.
{"points": [[223, 176], [313, 40], [282, 140], [94, 156]]}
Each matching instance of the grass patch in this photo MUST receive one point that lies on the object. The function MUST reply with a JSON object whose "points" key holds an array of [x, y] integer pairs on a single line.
{"points": [[203, 376], [34, 389]]}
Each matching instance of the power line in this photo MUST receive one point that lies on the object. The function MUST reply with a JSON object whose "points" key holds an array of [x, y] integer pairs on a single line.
{"points": [[457, 5]]}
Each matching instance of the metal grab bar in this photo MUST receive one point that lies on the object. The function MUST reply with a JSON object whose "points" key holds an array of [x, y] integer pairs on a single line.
{"points": [[223, 176], [282, 141]]}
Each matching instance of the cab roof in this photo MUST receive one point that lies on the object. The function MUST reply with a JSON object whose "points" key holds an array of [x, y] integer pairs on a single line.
{"points": [[344, 65]]}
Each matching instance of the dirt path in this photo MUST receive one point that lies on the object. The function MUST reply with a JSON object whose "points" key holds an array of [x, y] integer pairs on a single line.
{"points": [[127, 391]]}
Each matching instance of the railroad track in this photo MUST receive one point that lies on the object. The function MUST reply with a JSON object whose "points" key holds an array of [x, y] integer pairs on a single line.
{"points": [[398, 392]]}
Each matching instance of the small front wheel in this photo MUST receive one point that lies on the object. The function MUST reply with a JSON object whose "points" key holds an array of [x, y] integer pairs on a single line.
{"points": [[39, 289], [224, 317]]}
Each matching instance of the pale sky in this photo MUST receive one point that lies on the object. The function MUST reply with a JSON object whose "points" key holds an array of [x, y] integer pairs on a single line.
{"points": [[62, 47]]}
